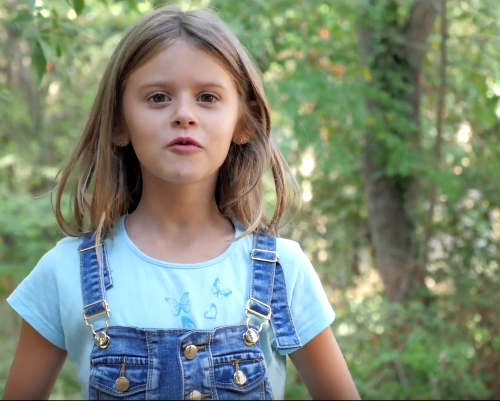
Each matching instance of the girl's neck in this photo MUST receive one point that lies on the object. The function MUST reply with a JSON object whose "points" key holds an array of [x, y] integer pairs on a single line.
{"points": [[180, 211]]}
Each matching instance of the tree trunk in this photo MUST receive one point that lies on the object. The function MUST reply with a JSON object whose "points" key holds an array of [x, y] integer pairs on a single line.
{"points": [[18, 74], [393, 55]]}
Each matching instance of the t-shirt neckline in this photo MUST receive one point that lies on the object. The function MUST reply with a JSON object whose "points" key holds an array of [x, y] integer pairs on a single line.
{"points": [[121, 234]]}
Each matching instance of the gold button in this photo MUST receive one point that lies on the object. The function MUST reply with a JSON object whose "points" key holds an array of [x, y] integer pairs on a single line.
{"points": [[239, 378], [122, 384], [190, 353], [194, 395]]}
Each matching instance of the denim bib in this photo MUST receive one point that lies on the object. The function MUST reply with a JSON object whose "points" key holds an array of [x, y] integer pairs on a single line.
{"points": [[226, 363]]}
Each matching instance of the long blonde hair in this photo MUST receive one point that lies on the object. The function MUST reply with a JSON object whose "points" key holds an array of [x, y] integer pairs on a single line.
{"points": [[108, 178]]}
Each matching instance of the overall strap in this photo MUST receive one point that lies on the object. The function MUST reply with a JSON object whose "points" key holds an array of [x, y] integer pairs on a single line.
{"points": [[95, 278], [268, 296]]}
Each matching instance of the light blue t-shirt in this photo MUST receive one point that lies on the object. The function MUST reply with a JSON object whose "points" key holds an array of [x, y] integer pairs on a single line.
{"points": [[150, 293]]}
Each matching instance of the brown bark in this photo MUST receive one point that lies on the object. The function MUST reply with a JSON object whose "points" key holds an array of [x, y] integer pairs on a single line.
{"points": [[389, 197]]}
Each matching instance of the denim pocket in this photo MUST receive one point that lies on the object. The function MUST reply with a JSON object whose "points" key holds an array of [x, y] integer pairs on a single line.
{"points": [[105, 371], [253, 368]]}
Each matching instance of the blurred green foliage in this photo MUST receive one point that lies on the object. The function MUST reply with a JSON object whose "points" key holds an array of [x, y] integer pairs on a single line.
{"points": [[51, 56]]}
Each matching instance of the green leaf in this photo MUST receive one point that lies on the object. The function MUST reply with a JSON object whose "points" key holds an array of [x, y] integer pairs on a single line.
{"points": [[58, 50], [31, 6], [4, 93], [77, 5], [23, 17], [48, 51], [132, 5], [38, 61]]}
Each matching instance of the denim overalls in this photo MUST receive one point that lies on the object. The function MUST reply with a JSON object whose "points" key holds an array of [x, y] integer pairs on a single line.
{"points": [[225, 363]]}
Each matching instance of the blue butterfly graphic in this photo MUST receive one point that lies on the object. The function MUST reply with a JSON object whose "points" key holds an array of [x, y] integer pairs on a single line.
{"points": [[176, 307], [217, 291], [211, 313], [187, 323]]}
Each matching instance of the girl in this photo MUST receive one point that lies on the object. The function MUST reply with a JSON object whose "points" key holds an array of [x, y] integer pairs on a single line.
{"points": [[170, 283]]}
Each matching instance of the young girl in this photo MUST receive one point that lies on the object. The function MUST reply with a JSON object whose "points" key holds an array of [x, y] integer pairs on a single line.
{"points": [[171, 283]]}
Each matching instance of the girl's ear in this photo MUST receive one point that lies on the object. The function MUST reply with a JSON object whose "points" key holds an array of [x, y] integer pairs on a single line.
{"points": [[120, 137], [243, 134], [120, 141]]}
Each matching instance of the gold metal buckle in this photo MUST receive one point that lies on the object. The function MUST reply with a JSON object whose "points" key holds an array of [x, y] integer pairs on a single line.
{"points": [[248, 309], [276, 256], [101, 338], [105, 312], [267, 317]]}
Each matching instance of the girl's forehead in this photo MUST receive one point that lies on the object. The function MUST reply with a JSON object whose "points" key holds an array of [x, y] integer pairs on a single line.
{"points": [[179, 64]]}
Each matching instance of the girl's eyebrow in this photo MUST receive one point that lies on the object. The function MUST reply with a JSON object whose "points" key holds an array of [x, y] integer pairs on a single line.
{"points": [[196, 84]]}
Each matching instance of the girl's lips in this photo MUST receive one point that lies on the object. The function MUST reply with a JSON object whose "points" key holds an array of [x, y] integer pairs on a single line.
{"points": [[179, 148], [184, 141]]}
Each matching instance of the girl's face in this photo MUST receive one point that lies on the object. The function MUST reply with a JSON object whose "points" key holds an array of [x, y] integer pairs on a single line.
{"points": [[181, 111]]}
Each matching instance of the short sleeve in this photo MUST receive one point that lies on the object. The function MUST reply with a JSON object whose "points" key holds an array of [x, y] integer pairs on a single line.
{"points": [[36, 300], [310, 308]]}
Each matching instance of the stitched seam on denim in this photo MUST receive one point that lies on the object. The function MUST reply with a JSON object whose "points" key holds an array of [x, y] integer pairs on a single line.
{"points": [[271, 243], [181, 367], [163, 331], [153, 330], [101, 272], [118, 364], [233, 327], [252, 282], [151, 369], [213, 390], [81, 277], [267, 242], [107, 268], [259, 373], [198, 347], [136, 389], [93, 391], [91, 378], [240, 361], [132, 360], [231, 386], [296, 339], [271, 285], [86, 258]]}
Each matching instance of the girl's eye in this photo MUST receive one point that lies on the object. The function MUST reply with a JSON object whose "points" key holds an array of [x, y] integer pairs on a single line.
{"points": [[208, 98], [158, 98]]}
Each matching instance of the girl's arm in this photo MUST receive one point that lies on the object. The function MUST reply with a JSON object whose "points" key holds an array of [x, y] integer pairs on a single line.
{"points": [[323, 369], [35, 367]]}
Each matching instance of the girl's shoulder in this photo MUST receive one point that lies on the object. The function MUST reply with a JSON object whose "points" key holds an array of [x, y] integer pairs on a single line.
{"points": [[62, 259], [293, 259], [66, 249], [288, 246]]}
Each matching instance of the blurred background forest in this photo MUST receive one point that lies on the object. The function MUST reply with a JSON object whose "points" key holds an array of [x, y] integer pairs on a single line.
{"points": [[388, 112]]}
